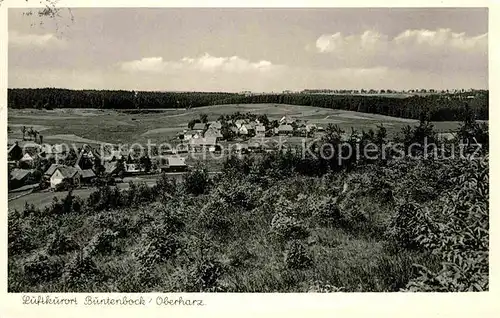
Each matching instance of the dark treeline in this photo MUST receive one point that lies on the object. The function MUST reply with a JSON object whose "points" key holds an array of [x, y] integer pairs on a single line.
{"points": [[440, 107], [49, 98]]}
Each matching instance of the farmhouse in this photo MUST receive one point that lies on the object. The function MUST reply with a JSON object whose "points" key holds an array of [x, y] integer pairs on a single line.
{"points": [[239, 123], [87, 175], [260, 131], [199, 127], [234, 129], [27, 160], [62, 173], [15, 152], [285, 130], [243, 130], [249, 128], [216, 125], [213, 132], [200, 144], [20, 176], [173, 164], [51, 170], [132, 168]]}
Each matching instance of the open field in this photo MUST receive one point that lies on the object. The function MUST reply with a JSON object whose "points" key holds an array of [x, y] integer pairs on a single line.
{"points": [[94, 125], [42, 199]]}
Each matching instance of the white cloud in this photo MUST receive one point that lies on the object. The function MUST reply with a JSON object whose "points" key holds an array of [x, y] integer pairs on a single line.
{"points": [[147, 64], [369, 41], [442, 38], [47, 40], [411, 48], [204, 63]]}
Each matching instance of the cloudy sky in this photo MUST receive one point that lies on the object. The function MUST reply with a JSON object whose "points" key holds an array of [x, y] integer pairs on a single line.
{"points": [[251, 49]]}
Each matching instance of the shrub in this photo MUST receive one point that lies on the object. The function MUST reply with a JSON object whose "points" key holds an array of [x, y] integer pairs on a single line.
{"points": [[410, 222], [202, 276], [325, 210], [80, 268], [101, 243], [172, 218], [215, 216], [68, 204], [286, 228], [105, 198], [197, 182], [138, 194], [166, 185], [41, 268], [462, 241], [157, 244], [59, 244], [118, 222], [296, 256], [19, 235]]}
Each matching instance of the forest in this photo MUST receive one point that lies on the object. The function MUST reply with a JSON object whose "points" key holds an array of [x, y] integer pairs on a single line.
{"points": [[441, 107]]}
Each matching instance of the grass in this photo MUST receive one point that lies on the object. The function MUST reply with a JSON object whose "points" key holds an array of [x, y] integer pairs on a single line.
{"points": [[42, 199], [161, 126]]}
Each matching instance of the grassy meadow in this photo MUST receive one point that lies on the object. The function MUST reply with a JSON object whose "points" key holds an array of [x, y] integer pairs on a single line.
{"points": [[128, 126]]}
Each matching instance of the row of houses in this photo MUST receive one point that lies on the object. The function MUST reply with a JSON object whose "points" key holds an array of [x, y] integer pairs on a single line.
{"points": [[288, 126]]}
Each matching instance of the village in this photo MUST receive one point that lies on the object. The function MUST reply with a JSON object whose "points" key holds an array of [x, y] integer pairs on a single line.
{"points": [[37, 166]]}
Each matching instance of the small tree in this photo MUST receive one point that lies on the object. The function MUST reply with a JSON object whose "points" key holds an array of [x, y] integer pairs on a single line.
{"points": [[197, 182]]}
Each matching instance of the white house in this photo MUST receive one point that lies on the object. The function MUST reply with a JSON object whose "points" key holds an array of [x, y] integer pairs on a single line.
{"points": [[62, 173], [27, 159], [243, 130], [239, 122], [260, 130]]}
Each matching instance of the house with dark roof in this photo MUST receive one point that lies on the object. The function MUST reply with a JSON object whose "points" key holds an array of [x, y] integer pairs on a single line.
{"points": [[87, 175], [19, 177], [51, 170], [63, 173], [20, 174], [15, 152]]}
